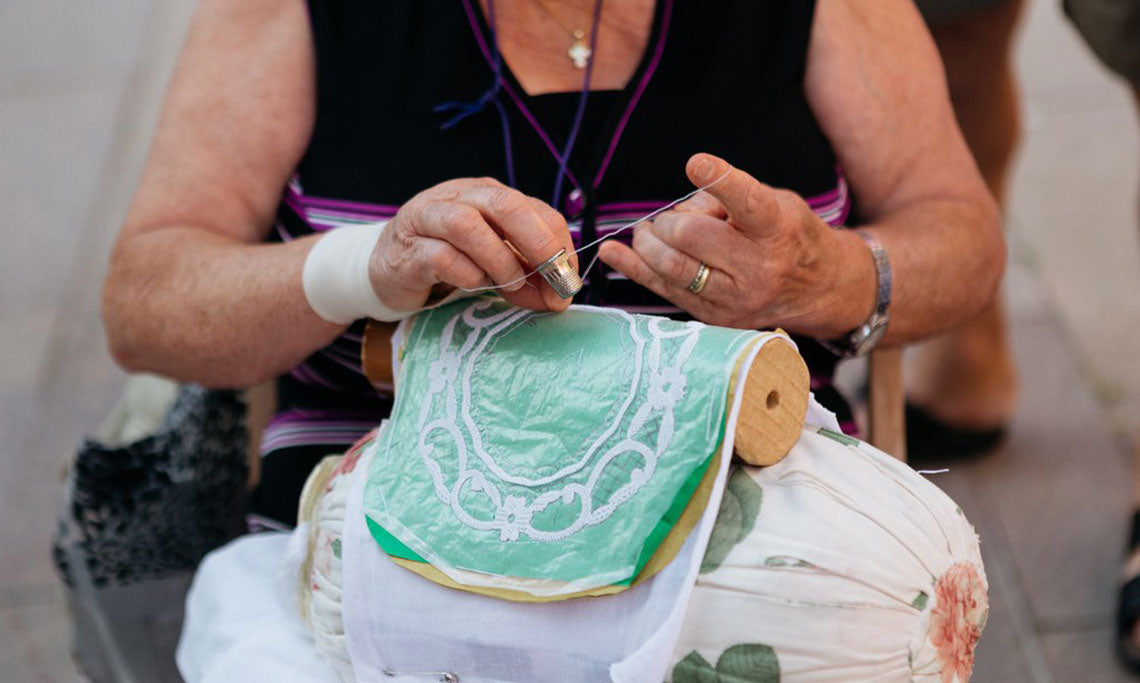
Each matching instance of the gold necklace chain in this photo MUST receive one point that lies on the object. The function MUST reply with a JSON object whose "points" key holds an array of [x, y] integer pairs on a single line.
{"points": [[550, 13]]}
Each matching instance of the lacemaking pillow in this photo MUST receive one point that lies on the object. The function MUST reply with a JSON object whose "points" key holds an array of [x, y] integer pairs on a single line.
{"points": [[541, 458]]}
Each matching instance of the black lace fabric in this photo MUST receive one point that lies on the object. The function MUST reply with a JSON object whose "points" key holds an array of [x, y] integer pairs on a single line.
{"points": [[153, 508]]}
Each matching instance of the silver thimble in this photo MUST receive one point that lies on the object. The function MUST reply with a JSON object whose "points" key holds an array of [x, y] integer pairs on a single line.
{"points": [[561, 276]]}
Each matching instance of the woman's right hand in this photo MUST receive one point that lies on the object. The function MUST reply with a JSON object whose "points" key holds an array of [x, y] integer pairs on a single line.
{"points": [[453, 235]]}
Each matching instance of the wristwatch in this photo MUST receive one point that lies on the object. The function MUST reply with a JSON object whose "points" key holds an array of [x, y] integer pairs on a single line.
{"points": [[862, 339]]}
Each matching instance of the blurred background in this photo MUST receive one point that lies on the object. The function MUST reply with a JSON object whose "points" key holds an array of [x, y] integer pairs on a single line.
{"points": [[80, 86]]}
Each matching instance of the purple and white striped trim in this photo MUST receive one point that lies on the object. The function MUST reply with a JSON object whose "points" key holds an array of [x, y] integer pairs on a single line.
{"points": [[294, 428], [324, 214], [834, 206]]}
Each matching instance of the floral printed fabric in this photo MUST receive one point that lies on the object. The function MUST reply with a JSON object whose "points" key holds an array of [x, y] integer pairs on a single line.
{"points": [[837, 564], [957, 619], [323, 503]]}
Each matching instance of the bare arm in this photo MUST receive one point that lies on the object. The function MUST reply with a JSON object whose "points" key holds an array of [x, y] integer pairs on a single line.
{"points": [[190, 292], [875, 84], [193, 294]]}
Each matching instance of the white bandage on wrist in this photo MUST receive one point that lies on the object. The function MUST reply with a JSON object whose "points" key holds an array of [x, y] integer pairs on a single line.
{"points": [[335, 277]]}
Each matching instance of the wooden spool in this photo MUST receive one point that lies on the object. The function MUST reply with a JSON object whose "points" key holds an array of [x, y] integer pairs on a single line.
{"points": [[773, 407]]}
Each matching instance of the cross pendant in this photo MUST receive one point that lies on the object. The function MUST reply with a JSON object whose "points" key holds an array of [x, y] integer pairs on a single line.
{"points": [[579, 52]]}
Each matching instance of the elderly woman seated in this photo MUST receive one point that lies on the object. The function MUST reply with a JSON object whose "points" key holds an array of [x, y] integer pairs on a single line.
{"points": [[318, 166]]}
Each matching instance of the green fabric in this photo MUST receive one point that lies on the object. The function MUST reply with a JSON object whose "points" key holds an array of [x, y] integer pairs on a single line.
{"points": [[395, 548], [390, 543], [560, 447], [665, 554], [655, 537]]}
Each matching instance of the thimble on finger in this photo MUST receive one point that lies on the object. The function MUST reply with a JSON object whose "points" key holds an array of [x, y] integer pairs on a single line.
{"points": [[560, 275]]}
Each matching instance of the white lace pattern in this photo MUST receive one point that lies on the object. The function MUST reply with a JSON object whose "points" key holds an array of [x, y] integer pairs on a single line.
{"points": [[643, 425]]}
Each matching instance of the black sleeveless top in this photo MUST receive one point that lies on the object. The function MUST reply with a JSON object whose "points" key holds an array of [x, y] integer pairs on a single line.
{"points": [[408, 97]]}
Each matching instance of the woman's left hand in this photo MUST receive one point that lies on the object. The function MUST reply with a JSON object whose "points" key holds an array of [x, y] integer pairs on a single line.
{"points": [[772, 261]]}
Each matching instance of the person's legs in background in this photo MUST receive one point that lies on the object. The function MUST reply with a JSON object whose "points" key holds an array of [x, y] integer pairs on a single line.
{"points": [[1111, 28], [962, 387]]}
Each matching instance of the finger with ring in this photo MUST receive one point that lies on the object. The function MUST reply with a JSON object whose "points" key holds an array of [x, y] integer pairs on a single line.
{"points": [[701, 279], [673, 265]]}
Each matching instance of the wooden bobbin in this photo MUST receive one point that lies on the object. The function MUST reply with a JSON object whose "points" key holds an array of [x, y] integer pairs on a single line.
{"points": [[773, 405], [772, 409]]}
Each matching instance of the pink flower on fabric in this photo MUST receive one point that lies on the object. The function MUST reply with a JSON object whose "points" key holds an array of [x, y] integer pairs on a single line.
{"points": [[327, 547], [348, 463], [957, 619]]}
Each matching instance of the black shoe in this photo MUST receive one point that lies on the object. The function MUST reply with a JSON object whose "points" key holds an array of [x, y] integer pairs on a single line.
{"points": [[929, 438]]}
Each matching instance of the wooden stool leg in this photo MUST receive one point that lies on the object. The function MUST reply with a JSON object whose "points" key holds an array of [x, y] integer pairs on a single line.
{"points": [[887, 421], [260, 406]]}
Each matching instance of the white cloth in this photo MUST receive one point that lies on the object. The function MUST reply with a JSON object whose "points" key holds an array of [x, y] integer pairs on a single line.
{"points": [[241, 622], [855, 568]]}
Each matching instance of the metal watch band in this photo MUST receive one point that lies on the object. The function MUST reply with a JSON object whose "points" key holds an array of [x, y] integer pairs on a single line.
{"points": [[864, 338], [882, 271]]}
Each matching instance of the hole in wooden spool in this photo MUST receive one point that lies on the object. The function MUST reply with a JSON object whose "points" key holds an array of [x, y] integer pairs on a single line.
{"points": [[773, 399]]}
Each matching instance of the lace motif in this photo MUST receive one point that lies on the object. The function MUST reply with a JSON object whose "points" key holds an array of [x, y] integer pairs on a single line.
{"points": [[659, 346]]}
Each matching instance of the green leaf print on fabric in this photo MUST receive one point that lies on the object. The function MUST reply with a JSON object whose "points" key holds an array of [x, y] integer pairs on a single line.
{"points": [[836, 436], [694, 669], [743, 663], [736, 517], [920, 601], [785, 561], [336, 548], [750, 662]]}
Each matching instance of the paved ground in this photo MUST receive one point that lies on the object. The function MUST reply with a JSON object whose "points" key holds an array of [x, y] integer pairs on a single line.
{"points": [[79, 85]]}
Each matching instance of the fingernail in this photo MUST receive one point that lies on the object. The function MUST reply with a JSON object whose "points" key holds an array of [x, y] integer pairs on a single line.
{"points": [[703, 169], [516, 284]]}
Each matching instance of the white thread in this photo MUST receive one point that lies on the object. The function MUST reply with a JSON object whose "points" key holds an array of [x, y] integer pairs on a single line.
{"points": [[944, 470], [584, 247]]}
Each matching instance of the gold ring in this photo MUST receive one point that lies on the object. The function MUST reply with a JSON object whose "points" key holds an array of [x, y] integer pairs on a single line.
{"points": [[700, 280]]}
